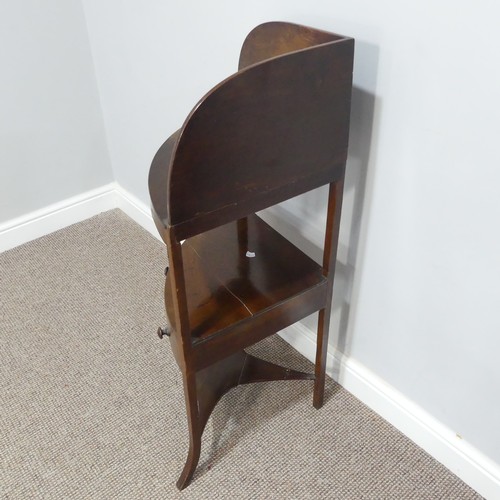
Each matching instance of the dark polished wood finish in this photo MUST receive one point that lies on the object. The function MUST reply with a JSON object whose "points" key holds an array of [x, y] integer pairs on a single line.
{"points": [[275, 129]]}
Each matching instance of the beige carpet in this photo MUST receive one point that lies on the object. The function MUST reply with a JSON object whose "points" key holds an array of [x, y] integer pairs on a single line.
{"points": [[92, 405]]}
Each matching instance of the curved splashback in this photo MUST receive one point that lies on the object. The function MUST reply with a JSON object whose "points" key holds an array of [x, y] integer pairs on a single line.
{"points": [[277, 38], [275, 129]]}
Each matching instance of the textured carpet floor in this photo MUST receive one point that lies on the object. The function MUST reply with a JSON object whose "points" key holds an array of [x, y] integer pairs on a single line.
{"points": [[92, 405]]}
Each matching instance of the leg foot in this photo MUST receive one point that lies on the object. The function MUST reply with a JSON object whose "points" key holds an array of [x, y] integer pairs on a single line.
{"points": [[191, 463], [195, 430], [321, 351]]}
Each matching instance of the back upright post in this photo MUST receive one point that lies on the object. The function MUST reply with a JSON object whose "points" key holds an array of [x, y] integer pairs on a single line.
{"points": [[329, 260]]}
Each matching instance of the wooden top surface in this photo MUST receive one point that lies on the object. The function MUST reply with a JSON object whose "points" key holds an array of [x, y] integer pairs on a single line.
{"points": [[224, 284]]}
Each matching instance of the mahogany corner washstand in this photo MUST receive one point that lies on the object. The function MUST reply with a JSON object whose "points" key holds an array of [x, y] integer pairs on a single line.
{"points": [[277, 128]]}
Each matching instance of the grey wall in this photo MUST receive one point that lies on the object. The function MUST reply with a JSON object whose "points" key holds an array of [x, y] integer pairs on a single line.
{"points": [[52, 141]]}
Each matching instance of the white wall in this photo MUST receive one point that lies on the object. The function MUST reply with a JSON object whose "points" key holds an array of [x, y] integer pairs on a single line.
{"points": [[52, 142], [419, 267]]}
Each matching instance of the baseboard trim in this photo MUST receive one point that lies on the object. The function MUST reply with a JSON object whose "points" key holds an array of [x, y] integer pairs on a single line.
{"points": [[473, 467], [136, 210], [56, 216], [460, 457]]}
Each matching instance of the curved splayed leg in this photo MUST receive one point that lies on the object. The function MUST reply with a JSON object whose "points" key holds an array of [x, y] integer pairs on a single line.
{"points": [[202, 391], [191, 461], [195, 430]]}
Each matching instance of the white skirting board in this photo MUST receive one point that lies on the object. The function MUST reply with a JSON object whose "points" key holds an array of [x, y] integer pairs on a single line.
{"points": [[136, 210], [56, 216], [72, 210], [473, 467], [468, 463]]}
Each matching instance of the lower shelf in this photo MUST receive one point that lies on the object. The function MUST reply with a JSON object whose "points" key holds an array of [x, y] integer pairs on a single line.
{"points": [[240, 270]]}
